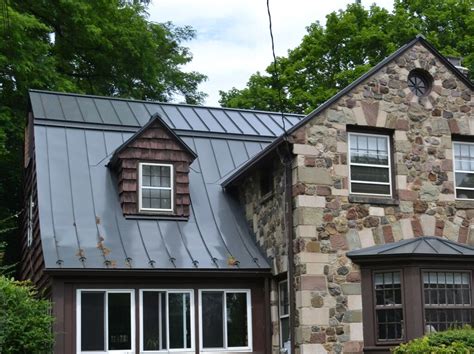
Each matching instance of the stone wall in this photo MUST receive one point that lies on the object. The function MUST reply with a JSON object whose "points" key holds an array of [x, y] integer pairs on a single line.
{"points": [[328, 221], [265, 216]]}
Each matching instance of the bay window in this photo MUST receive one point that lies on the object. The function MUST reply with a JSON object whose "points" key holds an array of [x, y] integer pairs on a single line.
{"points": [[225, 320], [369, 164]]}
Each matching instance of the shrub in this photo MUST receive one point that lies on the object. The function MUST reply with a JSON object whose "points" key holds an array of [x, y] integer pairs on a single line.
{"points": [[25, 320], [453, 341]]}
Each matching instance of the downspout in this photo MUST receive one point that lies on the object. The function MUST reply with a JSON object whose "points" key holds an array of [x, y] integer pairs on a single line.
{"points": [[288, 157]]}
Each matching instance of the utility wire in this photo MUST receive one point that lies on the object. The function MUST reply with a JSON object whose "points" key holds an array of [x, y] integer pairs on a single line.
{"points": [[276, 76]]}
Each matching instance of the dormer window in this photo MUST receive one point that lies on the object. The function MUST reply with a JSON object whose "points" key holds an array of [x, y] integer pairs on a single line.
{"points": [[156, 187]]}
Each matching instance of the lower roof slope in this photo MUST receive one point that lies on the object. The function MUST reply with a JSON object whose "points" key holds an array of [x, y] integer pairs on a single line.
{"points": [[82, 225]]}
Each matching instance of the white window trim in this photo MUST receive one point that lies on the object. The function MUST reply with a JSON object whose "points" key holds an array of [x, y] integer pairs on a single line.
{"points": [[140, 186], [280, 316], [249, 322], [169, 291], [106, 335], [460, 171], [389, 166]]}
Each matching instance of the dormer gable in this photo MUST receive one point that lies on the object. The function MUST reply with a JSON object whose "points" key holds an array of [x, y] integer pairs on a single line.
{"points": [[152, 170]]}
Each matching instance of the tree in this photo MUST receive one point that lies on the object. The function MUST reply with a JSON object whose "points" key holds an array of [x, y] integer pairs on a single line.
{"points": [[103, 47], [25, 320], [354, 40]]}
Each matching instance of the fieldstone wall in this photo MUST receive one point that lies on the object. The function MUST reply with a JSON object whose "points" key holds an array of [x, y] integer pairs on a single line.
{"points": [[328, 221], [265, 216]]}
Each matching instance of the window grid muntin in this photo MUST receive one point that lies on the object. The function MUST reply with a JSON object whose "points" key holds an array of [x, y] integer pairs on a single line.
{"points": [[192, 312], [387, 166], [141, 187], [225, 319], [418, 84], [442, 312], [457, 158], [391, 308], [283, 307], [106, 292]]}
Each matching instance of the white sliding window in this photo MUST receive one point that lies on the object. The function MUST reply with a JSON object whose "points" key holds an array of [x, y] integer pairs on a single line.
{"points": [[369, 161], [225, 320], [464, 169], [105, 321], [167, 318]]}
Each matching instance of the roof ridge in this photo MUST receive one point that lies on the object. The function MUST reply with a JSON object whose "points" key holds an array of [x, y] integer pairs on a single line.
{"points": [[418, 39], [73, 94]]}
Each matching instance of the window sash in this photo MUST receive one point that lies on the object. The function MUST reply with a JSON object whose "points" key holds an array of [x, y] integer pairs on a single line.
{"points": [[141, 187], [456, 171], [281, 311], [225, 320], [387, 166], [385, 307], [192, 320], [106, 293]]}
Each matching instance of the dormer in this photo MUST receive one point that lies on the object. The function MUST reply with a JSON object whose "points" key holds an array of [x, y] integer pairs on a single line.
{"points": [[152, 169]]}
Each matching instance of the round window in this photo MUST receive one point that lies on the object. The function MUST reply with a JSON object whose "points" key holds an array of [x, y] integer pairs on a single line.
{"points": [[419, 82]]}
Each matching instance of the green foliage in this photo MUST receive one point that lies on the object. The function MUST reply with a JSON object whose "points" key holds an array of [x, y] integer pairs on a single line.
{"points": [[25, 322], [454, 341], [104, 47], [352, 41]]}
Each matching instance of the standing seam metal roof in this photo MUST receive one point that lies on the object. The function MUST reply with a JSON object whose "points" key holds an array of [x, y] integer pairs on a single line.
{"points": [[81, 221]]}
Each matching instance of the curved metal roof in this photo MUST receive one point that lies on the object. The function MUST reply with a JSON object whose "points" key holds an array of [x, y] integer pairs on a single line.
{"points": [[81, 221]]}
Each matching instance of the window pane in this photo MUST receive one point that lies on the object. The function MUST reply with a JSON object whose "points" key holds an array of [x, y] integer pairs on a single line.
{"points": [[370, 174], [212, 319], [179, 320], [390, 324], [154, 321], [283, 297], [464, 194], [465, 180], [464, 156], [236, 320], [285, 330], [92, 321], [369, 149], [370, 188], [156, 176], [119, 321], [156, 198]]}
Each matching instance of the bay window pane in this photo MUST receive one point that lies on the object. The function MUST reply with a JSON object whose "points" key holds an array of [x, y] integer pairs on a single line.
{"points": [[370, 188], [212, 319], [119, 321], [92, 321], [236, 319]]}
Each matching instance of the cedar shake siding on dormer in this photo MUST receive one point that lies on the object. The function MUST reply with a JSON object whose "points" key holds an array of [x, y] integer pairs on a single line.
{"points": [[154, 144]]}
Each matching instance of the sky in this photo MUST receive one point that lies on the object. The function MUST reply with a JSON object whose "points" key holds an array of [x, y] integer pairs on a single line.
{"points": [[232, 36]]}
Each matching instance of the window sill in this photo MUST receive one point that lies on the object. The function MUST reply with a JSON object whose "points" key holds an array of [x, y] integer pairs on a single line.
{"points": [[265, 198], [464, 204], [365, 199], [155, 217]]}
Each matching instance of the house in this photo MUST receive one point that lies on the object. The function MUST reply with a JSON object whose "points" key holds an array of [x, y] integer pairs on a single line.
{"points": [[157, 227]]}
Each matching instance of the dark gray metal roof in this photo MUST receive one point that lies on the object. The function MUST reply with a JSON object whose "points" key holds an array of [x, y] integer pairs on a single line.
{"points": [[100, 110], [81, 221], [419, 246]]}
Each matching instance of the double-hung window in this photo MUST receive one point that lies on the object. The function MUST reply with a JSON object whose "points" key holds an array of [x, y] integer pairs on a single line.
{"points": [[156, 187], [369, 160], [284, 314], [105, 321], [464, 169], [225, 320], [167, 321]]}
